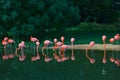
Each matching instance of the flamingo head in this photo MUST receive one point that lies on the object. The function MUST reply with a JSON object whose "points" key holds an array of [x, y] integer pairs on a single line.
{"points": [[116, 37], [62, 38], [92, 43], [5, 38], [37, 43], [72, 40], [104, 37], [55, 40]]}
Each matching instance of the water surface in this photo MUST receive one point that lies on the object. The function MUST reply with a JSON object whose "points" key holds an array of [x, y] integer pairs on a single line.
{"points": [[80, 69]]}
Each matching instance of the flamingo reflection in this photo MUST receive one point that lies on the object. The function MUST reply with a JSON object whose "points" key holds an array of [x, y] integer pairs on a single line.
{"points": [[92, 60], [46, 43], [72, 42], [104, 57], [21, 48]]}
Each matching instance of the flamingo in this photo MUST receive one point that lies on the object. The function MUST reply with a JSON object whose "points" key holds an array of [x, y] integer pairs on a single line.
{"points": [[58, 58], [92, 60], [4, 43], [11, 41], [37, 43], [46, 43], [62, 51], [111, 40], [33, 39], [57, 45], [72, 56], [63, 47], [38, 56], [21, 48], [104, 57]]}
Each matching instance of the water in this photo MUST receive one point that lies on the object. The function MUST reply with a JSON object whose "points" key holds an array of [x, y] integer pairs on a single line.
{"points": [[80, 69]]}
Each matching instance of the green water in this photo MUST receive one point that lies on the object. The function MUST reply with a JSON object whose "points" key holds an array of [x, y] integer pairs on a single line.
{"points": [[80, 69]]}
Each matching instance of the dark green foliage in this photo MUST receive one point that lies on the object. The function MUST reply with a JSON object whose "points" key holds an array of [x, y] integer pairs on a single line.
{"points": [[23, 18]]}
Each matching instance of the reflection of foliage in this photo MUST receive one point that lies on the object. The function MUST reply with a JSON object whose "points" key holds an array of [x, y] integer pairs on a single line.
{"points": [[42, 17]]}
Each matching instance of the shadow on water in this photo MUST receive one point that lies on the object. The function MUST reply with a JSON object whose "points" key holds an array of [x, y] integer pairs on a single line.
{"points": [[80, 69]]}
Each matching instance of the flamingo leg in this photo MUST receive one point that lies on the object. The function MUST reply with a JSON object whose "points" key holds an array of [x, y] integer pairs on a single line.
{"points": [[55, 53], [5, 50], [104, 49], [16, 51], [43, 52], [37, 50], [72, 56], [104, 57], [87, 55], [90, 59], [87, 52], [34, 49]]}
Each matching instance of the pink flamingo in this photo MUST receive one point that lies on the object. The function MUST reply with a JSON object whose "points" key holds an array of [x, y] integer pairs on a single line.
{"points": [[36, 41], [11, 41], [21, 48], [72, 41], [117, 37], [46, 43], [4, 43], [111, 40], [92, 43], [104, 57], [33, 39], [58, 58], [38, 56], [62, 51]]}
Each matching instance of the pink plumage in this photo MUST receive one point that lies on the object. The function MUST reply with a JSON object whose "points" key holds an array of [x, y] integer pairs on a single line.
{"points": [[92, 43], [64, 46], [116, 37], [11, 41], [5, 38], [111, 40], [47, 42], [4, 43], [33, 39], [22, 44], [59, 43]]}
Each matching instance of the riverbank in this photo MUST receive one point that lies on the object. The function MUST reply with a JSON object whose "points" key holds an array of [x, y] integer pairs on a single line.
{"points": [[96, 47]]}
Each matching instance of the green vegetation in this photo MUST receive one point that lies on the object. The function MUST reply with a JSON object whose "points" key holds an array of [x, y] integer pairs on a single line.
{"points": [[41, 18]]}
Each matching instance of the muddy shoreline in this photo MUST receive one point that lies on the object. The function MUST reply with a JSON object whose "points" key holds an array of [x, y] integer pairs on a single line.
{"points": [[96, 47]]}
